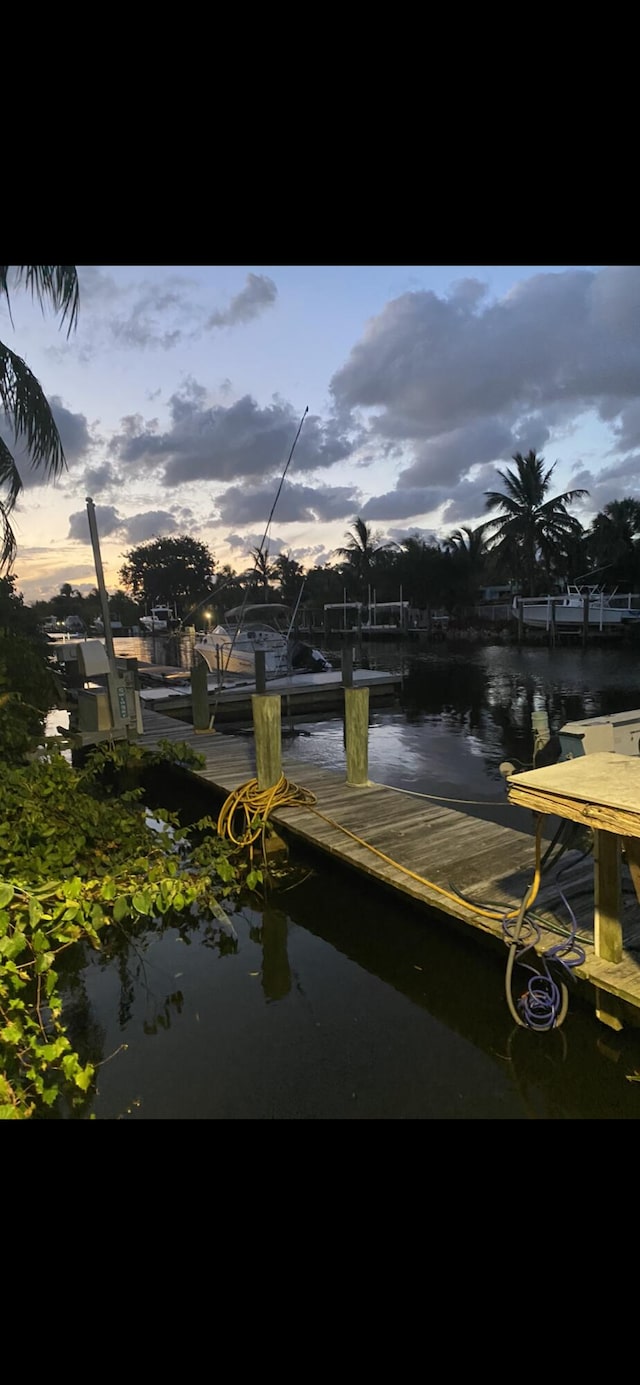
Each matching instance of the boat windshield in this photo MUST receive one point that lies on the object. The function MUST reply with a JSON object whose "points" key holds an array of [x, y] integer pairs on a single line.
{"points": [[272, 615]]}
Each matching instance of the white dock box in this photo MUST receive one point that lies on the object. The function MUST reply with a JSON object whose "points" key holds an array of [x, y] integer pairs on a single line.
{"points": [[620, 733]]}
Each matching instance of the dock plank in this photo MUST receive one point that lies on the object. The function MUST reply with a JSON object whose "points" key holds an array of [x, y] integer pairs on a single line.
{"points": [[425, 851]]}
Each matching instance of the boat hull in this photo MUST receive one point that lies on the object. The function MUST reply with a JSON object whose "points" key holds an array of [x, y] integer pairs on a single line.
{"points": [[223, 658], [542, 615]]}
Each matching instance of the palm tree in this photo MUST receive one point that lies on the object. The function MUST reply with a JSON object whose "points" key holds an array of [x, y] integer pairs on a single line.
{"points": [[22, 397], [361, 550], [290, 575], [262, 569], [468, 548], [530, 525]]}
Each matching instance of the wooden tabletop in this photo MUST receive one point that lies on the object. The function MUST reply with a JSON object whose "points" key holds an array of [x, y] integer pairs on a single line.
{"points": [[600, 790]]}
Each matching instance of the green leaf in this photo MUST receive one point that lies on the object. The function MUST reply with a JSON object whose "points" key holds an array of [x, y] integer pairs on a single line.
{"points": [[6, 893], [11, 1033], [141, 902]]}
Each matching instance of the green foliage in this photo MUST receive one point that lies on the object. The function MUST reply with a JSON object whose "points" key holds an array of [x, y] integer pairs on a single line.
{"points": [[28, 690], [15, 617], [123, 764], [74, 867]]}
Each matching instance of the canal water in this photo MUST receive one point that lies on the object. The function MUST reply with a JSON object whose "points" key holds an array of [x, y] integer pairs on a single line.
{"points": [[336, 1001]]}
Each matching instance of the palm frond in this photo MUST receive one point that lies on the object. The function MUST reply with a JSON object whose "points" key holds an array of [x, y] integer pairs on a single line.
{"points": [[9, 476], [26, 404], [8, 542], [55, 282]]}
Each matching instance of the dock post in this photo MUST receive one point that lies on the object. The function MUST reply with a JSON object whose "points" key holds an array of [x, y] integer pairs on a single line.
{"points": [[347, 666], [356, 727], [267, 726], [260, 659], [585, 621], [200, 696], [520, 622], [607, 927]]}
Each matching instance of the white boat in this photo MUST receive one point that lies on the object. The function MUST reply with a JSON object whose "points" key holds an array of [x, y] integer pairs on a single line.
{"points": [[97, 627], [231, 647], [603, 610], [161, 618]]}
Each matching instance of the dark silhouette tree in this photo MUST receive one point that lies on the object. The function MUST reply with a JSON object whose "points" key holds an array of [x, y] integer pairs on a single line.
{"points": [[22, 398], [530, 526], [173, 571]]}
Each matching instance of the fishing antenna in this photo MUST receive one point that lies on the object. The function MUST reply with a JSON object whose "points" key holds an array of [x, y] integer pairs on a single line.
{"points": [[264, 536]]}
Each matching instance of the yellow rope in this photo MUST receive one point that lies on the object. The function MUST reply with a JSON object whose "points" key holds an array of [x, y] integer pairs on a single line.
{"points": [[255, 804]]}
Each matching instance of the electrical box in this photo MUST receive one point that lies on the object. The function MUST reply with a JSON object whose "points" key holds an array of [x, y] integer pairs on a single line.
{"points": [[620, 733], [94, 712]]}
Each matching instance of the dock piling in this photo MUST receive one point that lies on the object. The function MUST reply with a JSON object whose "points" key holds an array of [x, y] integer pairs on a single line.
{"points": [[267, 725], [200, 697], [356, 727], [347, 666]]}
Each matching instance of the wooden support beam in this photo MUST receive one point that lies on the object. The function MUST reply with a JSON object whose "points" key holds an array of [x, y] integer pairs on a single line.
{"points": [[607, 925], [632, 852]]}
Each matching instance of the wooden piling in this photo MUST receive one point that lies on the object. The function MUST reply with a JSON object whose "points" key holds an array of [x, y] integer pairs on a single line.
{"points": [[520, 621], [267, 726], [585, 621], [200, 697], [607, 896], [356, 725], [261, 670], [347, 666]]}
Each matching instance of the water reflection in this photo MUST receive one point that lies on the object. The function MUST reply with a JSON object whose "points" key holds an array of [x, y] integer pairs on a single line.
{"points": [[333, 1002]]}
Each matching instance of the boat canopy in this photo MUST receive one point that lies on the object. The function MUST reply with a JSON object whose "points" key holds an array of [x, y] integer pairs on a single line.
{"points": [[343, 606], [265, 611]]}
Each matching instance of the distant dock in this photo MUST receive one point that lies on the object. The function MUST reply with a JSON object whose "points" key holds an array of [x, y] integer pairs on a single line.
{"points": [[167, 690]]}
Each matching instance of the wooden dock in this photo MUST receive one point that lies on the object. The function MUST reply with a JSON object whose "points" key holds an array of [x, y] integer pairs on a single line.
{"points": [[423, 845], [301, 694]]}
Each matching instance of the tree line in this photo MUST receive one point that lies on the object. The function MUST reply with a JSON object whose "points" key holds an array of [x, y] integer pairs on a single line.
{"points": [[532, 545]]}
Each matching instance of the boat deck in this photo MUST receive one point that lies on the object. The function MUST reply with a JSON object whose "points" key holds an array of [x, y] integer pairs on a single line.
{"points": [[434, 855]]}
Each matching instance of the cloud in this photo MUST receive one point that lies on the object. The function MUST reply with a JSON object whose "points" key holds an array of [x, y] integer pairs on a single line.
{"points": [[108, 521], [99, 478], [448, 458], [134, 529], [245, 542], [149, 525], [427, 536], [460, 380], [296, 504], [260, 293], [220, 444], [613, 483]]}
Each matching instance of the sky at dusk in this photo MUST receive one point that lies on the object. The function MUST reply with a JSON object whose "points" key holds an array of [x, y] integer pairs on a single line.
{"points": [[179, 395]]}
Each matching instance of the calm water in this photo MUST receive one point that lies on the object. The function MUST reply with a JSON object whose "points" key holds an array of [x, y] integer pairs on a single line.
{"points": [[337, 1002]]}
